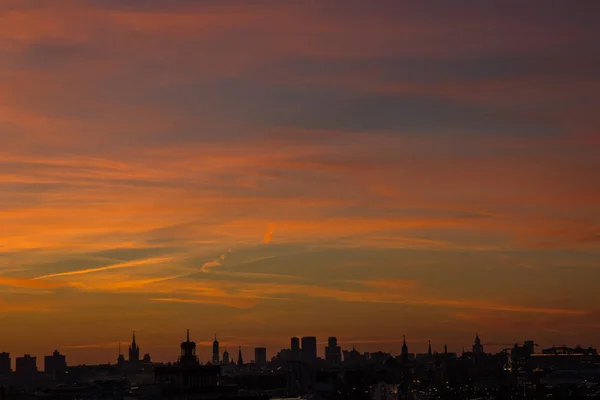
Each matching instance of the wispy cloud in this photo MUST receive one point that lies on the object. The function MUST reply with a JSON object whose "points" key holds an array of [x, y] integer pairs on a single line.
{"points": [[217, 262], [127, 264]]}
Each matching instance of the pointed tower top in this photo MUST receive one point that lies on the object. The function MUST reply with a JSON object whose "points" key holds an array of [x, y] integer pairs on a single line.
{"points": [[429, 351], [215, 337], [134, 336], [188, 335]]}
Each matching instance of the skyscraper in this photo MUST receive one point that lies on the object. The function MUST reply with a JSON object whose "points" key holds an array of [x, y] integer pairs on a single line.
{"points": [[295, 347], [309, 349], [295, 344], [215, 357], [5, 363], [260, 356], [333, 352], [134, 351], [55, 363]]}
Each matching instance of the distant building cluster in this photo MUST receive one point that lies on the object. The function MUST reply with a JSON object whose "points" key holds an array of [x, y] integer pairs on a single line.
{"points": [[517, 372]]}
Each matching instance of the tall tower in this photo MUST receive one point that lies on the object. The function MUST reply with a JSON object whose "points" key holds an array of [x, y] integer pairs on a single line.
{"points": [[309, 349], [295, 347], [134, 350], [404, 355], [226, 357], [477, 346], [188, 352], [215, 357], [240, 361], [333, 352]]}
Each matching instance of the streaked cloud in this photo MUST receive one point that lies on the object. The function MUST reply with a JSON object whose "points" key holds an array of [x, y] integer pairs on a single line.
{"points": [[128, 264]]}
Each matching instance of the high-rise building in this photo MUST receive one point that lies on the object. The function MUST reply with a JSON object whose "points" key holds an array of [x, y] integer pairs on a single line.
{"points": [[295, 349], [477, 346], [215, 356], [5, 363], [55, 363], [333, 352], [260, 356], [26, 365], [295, 344], [134, 351], [309, 349]]}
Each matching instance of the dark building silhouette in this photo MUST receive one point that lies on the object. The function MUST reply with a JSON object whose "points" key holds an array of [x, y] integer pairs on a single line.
{"points": [[226, 360], [26, 365], [55, 363], [187, 378], [295, 344], [333, 352], [147, 359], [215, 351], [309, 349], [134, 351], [477, 346], [260, 356], [120, 356], [240, 360], [404, 354], [5, 363], [353, 357], [296, 352], [188, 352]]}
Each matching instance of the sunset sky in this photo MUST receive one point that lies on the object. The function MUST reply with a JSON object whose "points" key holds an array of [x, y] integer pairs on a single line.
{"points": [[275, 168]]}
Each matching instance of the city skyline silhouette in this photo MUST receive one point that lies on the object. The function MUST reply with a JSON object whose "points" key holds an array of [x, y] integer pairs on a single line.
{"points": [[263, 170]]}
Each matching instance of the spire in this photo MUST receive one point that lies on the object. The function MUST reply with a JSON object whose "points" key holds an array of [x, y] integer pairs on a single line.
{"points": [[134, 336], [240, 359], [404, 349], [188, 335], [429, 351], [445, 349]]}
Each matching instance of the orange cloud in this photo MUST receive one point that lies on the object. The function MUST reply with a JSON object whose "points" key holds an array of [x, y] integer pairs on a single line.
{"points": [[269, 234], [128, 264], [28, 283]]}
